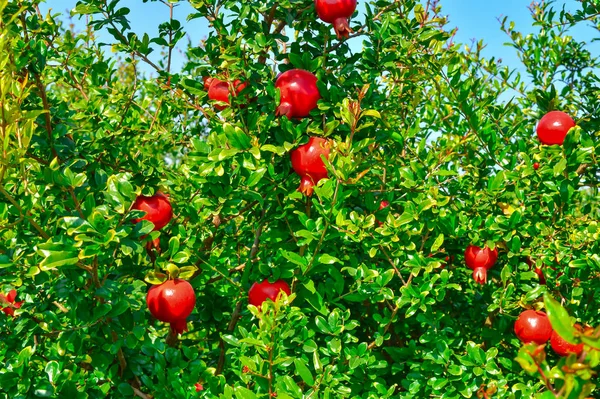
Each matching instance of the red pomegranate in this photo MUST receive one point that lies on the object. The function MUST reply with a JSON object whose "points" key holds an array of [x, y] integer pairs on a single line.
{"points": [[260, 292], [533, 326], [337, 12], [536, 166], [172, 302], [553, 127], [564, 348], [157, 207], [8, 303], [298, 93], [219, 90], [384, 204], [480, 261], [307, 163]]}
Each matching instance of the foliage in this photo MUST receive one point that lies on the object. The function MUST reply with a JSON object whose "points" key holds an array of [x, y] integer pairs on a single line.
{"points": [[436, 128]]}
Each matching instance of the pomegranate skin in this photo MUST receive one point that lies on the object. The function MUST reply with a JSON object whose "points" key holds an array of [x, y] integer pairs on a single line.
{"points": [[298, 93], [563, 348], [480, 261], [307, 163], [533, 326], [219, 90], [553, 127], [157, 207], [260, 292], [336, 12], [172, 302]]}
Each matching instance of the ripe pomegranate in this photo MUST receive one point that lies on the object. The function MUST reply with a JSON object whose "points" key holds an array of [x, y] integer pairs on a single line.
{"points": [[172, 302], [337, 12], [298, 93], [157, 207], [536, 166], [219, 90], [533, 326], [384, 204], [562, 347], [260, 292], [480, 261], [553, 127], [8, 304], [307, 163]]}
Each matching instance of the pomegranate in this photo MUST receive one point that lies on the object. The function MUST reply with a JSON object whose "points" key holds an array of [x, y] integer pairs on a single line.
{"points": [[219, 90], [553, 127], [536, 166], [533, 326], [8, 304], [480, 261], [336, 12], [384, 204], [157, 207], [564, 348], [307, 163], [298, 93], [172, 302], [260, 292]]}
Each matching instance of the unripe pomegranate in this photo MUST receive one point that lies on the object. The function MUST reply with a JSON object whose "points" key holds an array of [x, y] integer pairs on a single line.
{"points": [[564, 348], [172, 302], [553, 127], [480, 261], [157, 207], [219, 90], [533, 326], [337, 12], [298, 93], [260, 292], [307, 163]]}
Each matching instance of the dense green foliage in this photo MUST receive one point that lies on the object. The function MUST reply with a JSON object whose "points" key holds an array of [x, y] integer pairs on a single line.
{"points": [[441, 132]]}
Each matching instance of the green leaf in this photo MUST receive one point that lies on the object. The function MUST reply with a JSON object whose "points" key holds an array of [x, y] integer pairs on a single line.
{"points": [[304, 372], [559, 318]]}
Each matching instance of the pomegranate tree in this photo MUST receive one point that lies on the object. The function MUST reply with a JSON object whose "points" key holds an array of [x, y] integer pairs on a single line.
{"points": [[298, 93], [553, 127], [336, 12], [157, 207], [172, 302], [533, 326], [219, 90], [260, 292], [307, 163], [480, 261]]}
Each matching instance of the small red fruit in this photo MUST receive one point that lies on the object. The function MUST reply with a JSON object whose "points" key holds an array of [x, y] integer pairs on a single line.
{"points": [[157, 207], [199, 387], [384, 204], [298, 93], [562, 347], [533, 326], [480, 261], [307, 163], [172, 302], [536, 166], [337, 13], [260, 292], [219, 90], [553, 127], [8, 304]]}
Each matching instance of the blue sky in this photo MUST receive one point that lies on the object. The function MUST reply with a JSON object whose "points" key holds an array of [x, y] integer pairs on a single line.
{"points": [[476, 19]]}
